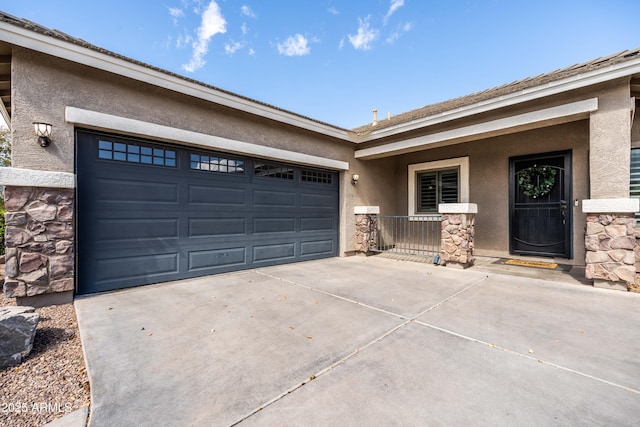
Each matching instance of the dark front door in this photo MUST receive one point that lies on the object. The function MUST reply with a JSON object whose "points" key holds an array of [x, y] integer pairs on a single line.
{"points": [[540, 205]]}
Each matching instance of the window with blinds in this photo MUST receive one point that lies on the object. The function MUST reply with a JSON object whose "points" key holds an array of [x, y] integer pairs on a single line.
{"points": [[436, 187], [634, 185]]}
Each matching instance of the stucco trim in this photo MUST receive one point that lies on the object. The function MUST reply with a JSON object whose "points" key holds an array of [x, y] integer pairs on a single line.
{"points": [[458, 208], [566, 112], [611, 205], [16, 177], [366, 210], [82, 55], [102, 121]]}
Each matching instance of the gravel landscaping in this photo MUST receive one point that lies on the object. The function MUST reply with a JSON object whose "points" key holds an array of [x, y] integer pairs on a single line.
{"points": [[52, 381]]}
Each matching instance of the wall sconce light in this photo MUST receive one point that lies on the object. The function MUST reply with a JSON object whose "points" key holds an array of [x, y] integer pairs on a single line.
{"points": [[43, 130], [354, 178]]}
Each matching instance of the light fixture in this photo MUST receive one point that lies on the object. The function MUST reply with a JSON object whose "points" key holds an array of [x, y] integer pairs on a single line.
{"points": [[354, 178], [43, 130]]}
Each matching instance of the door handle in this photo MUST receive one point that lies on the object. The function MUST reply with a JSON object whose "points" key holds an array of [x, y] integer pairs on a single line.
{"points": [[563, 211]]}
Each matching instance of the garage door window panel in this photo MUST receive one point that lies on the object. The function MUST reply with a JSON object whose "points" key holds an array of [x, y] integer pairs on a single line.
{"points": [[133, 153], [270, 170], [311, 176], [213, 163]]}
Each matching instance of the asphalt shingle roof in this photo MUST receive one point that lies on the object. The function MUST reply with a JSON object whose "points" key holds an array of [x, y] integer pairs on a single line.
{"points": [[496, 92]]}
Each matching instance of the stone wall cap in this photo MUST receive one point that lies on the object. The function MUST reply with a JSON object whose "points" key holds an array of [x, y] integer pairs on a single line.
{"points": [[610, 205], [17, 177], [366, 210], [458, 208]]}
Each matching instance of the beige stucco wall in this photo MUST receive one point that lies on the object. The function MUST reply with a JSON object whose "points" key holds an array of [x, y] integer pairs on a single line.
{"points": [[43, 86], [610, 142], [489, 179]]}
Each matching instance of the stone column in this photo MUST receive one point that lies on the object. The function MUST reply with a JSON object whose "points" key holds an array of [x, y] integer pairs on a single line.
{"points": [[366, 228], [610, 241], [458, 232], [39, 244]]}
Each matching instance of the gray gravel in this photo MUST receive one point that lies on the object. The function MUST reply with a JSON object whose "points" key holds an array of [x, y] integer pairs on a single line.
{"points": [[52, 381]]}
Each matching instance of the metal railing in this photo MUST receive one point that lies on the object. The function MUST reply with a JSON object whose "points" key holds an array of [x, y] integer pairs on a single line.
{"points": [[408, 235]]}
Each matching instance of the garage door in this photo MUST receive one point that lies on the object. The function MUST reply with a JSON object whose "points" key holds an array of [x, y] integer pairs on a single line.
{"points": [[150, 212]]}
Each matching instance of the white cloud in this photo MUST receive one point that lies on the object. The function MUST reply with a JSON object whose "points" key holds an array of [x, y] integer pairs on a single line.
{"points": [[212, 23], [341, 44], [333, 11], [246, 10], [244, 28], [294, 46], [252, 52], [365, 36], [175, 14], [183, 40], [403, 28], [232, 47], [395, 5]]}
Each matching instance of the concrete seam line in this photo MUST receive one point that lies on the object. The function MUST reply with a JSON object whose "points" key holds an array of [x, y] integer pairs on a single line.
{"points": [[357, 350], [465, 289], [311, 288], [322, 371], [526, 356]]}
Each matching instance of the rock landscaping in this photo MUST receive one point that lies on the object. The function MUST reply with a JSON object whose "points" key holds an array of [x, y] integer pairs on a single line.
{"points": [[52, 380]]}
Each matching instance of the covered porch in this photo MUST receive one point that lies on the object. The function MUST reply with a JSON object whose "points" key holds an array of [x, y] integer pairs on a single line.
{"points": [[540, 173]]}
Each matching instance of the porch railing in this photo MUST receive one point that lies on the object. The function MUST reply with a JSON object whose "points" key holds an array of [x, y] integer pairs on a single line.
{"points": [[408, 235]]}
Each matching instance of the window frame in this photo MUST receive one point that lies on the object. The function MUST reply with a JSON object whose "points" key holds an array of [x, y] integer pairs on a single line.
{"points": [[462, 163]]}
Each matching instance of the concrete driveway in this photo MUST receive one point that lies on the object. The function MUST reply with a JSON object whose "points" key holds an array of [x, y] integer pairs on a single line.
{"points": [[362, 341]]}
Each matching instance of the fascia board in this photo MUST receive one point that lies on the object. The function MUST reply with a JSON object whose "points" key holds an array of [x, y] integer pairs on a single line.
{"points": [[108, 122], [82, 55], [553, 88], [574, 110]]}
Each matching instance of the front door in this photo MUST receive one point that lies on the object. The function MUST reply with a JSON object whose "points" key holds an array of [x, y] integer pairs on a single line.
{"points": [[540, 205]]}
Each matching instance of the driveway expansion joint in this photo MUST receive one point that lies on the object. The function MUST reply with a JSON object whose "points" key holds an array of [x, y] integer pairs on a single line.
{"points": [[526, 356], [357, 351]]}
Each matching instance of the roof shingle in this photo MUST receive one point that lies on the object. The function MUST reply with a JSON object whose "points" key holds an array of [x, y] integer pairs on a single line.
{"points": [[503, 90]]}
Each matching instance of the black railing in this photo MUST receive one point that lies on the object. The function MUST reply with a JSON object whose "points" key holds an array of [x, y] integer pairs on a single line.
{"points": [[408, 235]]}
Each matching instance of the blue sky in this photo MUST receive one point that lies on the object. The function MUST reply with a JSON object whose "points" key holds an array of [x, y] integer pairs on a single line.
{"points": [[335, 60]]}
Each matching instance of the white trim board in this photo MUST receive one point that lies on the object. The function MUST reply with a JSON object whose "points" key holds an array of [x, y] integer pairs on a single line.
{"points": [[559, 114], [82, 55], [102, 121]]}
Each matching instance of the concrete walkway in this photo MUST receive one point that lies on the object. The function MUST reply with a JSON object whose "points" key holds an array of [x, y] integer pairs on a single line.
{"points": [[362, 341]]}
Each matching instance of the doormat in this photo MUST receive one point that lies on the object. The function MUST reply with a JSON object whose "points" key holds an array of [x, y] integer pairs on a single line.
{"points": [[534, 264]]}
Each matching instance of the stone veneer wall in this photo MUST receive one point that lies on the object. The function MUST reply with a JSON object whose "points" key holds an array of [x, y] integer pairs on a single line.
{"points": [[635, 287], [610, 242], [39, 241], [366, 234], [458, 231]]}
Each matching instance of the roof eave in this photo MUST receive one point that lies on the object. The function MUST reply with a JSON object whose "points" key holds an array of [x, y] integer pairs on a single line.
{"points": [[578, 81], [52, 46]]}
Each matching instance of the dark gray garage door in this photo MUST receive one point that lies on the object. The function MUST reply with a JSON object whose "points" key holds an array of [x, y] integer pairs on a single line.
{"points": [[150, 212]]}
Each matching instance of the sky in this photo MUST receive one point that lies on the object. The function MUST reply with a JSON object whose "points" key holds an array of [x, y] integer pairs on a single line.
{"points": [[336, 60]]}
